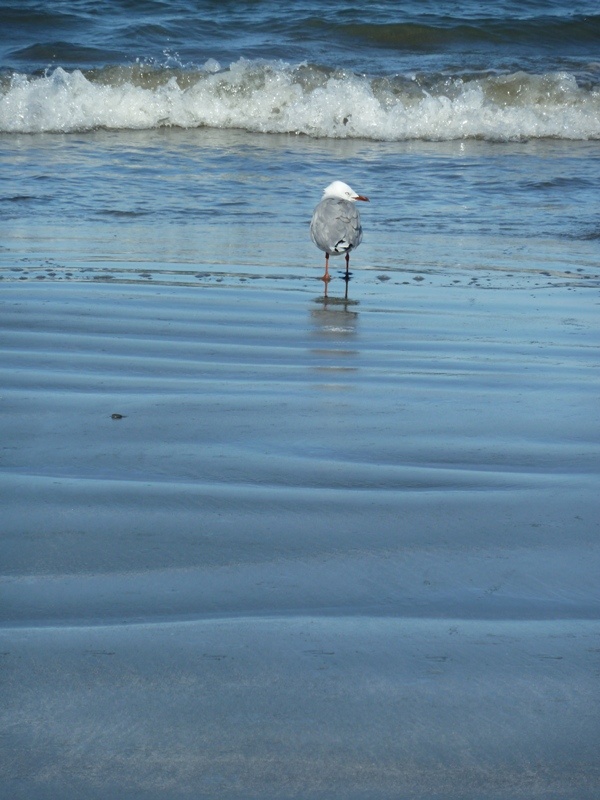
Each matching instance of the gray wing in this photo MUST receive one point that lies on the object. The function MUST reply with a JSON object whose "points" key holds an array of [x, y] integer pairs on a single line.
{"points": [[335, 226]]}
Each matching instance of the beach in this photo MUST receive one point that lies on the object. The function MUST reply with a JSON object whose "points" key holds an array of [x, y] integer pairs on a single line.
{"points": [[263, 543], [264, 538]]}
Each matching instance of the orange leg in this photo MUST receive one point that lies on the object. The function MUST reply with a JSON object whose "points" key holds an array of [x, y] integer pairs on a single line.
{"points": [[327, 276]]}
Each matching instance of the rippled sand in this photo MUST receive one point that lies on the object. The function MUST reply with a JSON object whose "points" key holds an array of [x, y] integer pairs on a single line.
{"points": [[261, 544]]}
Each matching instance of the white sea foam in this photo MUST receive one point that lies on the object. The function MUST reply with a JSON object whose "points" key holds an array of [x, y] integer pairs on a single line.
{"points": [[303, 99]]}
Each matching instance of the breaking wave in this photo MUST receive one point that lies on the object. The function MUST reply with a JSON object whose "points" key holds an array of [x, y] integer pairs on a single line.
{"points": [[275, 97]]}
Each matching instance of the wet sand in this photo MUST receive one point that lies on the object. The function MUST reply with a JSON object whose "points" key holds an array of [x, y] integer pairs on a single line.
{"points": [[261, 545]]}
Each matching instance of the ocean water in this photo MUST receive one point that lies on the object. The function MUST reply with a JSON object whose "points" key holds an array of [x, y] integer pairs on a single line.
{"points": [[474, 128], [419, 71], [257, 542]]}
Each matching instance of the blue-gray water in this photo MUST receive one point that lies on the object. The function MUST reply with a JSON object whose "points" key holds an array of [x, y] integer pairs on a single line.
{"points": [[418, 70], [327, 547]]}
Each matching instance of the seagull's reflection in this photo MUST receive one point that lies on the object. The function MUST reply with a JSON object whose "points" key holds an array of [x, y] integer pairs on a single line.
{"points": [[346, 277], [334, 326]]}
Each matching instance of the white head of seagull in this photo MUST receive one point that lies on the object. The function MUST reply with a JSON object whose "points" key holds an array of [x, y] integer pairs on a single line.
{"points": [[342, 191], [335, 226]]}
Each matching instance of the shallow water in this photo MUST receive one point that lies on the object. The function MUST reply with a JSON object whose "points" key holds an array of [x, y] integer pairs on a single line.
{"points": [[205, 206]]}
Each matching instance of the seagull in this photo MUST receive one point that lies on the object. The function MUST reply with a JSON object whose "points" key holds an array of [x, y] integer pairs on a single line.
{"points": [[335, 226]]}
